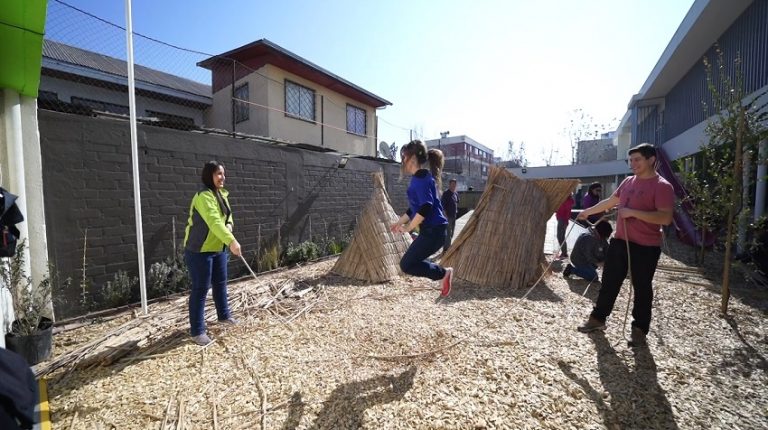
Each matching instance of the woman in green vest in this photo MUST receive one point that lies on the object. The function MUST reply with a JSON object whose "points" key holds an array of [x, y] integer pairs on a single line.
{"points": [[207, 237]]}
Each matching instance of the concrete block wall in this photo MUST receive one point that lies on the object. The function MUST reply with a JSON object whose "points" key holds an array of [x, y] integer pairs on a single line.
{"points": [[88, 187]]}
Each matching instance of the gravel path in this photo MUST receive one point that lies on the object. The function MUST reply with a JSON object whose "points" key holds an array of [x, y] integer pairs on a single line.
{"points": [[518, 363]]}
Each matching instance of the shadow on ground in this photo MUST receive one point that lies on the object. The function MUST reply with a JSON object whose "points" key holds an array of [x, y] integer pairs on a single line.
{"points": [[745, 359], [629, 398], [346, 405]]}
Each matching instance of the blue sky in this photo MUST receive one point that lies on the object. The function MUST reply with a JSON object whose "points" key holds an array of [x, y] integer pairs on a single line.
{"points": [[493, 70]]}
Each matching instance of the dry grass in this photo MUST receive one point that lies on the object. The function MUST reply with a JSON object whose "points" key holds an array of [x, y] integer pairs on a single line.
{"points": [[523, 365]]}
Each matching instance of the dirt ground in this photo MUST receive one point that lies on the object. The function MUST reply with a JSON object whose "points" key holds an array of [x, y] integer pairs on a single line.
{"points": [[518, 363]]}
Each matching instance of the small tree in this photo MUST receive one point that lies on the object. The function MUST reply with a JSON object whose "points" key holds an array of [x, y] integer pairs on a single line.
{"points": [[702, 201], [735, 131], [548, 154], [516, 153], [581, 127]]}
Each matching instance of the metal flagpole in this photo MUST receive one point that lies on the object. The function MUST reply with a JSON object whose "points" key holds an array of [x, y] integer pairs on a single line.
{"points": [[135, 157]]}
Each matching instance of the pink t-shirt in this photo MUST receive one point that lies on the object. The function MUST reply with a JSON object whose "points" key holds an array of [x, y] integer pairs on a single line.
{"points": [[564, 212], [647, 195]]}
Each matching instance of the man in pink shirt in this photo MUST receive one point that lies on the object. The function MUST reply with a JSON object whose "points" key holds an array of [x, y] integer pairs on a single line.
{"points": [[646, 202]]}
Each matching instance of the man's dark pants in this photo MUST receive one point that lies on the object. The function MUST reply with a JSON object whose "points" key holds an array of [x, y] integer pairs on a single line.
{"points": [[562, 226], [449, 233], [644, 261]]}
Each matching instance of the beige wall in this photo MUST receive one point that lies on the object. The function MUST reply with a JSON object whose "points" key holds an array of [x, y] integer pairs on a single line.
{"points": [[266, 87], [220, 114]]}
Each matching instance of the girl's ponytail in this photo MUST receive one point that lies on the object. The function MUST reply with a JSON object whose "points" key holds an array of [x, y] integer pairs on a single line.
{"points": [[436, 162]]}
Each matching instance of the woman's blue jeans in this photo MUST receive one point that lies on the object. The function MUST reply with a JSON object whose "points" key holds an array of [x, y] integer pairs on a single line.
{"points": [[207, 269], [587, 272], [414, 261]]}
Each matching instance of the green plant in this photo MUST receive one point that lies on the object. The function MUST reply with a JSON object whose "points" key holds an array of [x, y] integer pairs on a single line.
{"points": [[734, 133], [702, 201], [270, 259], [301, 252], [333, 247], [30, 305], [118, 292], [168, 277]]}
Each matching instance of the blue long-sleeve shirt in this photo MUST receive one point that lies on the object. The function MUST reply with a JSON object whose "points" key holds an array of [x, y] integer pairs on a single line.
{"points": [[423, 199]]}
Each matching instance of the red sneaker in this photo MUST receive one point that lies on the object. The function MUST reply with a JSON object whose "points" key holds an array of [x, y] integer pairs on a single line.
{"points": [[447, 281]]}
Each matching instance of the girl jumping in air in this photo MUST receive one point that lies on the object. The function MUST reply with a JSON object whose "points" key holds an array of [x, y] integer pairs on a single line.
{"points": [[425, 212]]}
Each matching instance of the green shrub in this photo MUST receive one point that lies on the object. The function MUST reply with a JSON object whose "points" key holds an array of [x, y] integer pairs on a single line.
{"points": [[270, 260], [304, 251], [168, 277], [333, 247], [119, 291]]}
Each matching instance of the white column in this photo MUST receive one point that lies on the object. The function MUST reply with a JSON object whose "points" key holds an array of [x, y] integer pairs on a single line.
{"points": [[35, 214], [15, 174]]}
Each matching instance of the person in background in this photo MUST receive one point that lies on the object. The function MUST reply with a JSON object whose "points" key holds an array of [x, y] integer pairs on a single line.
{"points": [[592, 198], [563, 215], [450, 202], [646, 201], [578, 197], [18, 392], [425, 212], [589, 252], [206, 240]]}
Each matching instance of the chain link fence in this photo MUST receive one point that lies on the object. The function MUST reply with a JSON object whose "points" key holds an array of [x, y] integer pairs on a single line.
{"points": [[85, 71]]}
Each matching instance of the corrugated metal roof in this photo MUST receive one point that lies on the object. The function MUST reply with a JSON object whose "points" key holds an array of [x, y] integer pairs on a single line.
{"points": [[80, 57]]}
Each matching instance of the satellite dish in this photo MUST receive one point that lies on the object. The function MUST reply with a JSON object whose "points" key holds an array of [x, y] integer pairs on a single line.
{"points": [[384, 150]]}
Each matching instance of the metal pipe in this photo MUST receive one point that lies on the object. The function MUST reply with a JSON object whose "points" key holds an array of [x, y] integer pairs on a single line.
{"points": [[322, 121], [135, 157], [234, 103]]}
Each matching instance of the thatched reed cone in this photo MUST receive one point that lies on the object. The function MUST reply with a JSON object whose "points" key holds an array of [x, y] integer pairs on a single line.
{"points": [[501, 244], [374, 253]]}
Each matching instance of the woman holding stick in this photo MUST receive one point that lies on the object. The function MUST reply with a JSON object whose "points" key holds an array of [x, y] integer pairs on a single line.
{"points": [[207, 237]]}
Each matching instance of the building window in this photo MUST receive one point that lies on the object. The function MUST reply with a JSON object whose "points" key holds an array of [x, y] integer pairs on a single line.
{"points": [[100, 106], [356, 120], [299, 101], [176, 119], [242, 110]]}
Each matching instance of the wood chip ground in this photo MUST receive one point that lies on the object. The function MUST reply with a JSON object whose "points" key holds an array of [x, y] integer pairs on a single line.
{"points": [[519, 364]]}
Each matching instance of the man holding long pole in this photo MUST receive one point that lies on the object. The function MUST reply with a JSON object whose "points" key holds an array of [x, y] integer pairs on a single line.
{"points": [[645, 202]]}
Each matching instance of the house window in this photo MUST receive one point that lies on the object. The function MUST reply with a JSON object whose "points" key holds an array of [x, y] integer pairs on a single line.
{"points": [[100, 106], [299, 101], [176, 119], [356, 120], [242, 110]]}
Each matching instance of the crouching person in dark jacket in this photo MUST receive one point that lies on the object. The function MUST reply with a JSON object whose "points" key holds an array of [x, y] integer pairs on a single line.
{"points": [[18, 392], [589, 252]]}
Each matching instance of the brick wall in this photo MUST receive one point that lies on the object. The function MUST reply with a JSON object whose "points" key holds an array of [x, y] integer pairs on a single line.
{"points": [[88, 187]]}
